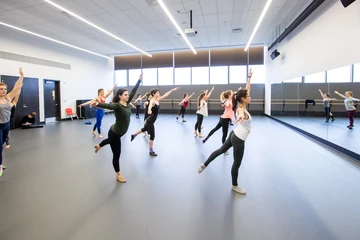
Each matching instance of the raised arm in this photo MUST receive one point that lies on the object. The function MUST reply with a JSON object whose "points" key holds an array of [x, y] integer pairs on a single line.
{"points": [[191, 95], [336, 92], [249, 80], [110, 91], [167, 93], [209, 94], [321, 93], [17, 87], [133, 91], [16, 99]]}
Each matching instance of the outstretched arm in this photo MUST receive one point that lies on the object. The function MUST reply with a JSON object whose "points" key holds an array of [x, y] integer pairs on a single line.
{"points": [[17, 87], [133, 91], [321, 93], [110, 91], [167, 93], [248, 81], [90, 102], [336, 92], [191, 95], [111, 106], [209, 94]]}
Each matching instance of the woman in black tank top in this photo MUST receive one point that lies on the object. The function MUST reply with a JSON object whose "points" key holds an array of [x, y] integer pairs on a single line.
{"points": [[153, 111]]}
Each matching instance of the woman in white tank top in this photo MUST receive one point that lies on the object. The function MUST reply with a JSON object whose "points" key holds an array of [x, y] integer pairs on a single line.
{"points": [[237, 137], [5, 111]]}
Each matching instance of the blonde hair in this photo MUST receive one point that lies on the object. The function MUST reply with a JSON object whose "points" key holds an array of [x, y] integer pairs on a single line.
{"points": [[350, 93], [225, 95]]}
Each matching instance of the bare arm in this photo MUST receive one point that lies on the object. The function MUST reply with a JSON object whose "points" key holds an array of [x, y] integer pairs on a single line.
{"points": [[110, 91], [17, 87], [209, 94], [167, 94], [152, 102], [248, 81], [321, 93], [336, 92], [90, 102], [191, 95], [241, 115]]}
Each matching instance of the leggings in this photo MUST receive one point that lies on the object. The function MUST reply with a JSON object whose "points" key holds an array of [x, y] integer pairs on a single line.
{"points": [[115, 143], [182, 111], [137, 110], [99, 116], [150, 128], [224, 123], [4, 132], [351, 115], [239, 147], [198, 123]]}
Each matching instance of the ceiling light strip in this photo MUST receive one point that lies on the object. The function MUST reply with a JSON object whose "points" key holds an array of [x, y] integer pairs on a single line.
{"points": [[54, 40], [267, 5], [97, 27], [176, 25]]}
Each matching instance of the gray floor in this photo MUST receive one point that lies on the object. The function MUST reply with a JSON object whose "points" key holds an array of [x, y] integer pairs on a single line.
{"points": [[57, 188], [335, 132]]}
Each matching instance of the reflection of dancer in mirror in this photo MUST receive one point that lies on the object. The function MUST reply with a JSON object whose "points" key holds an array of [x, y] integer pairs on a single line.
{"points": [[237, 137], [327, 101], [349, 102], [227, 99], [138, 102], [202, 111], [12, 119], [99, 111], [184, 103], [122, 110], [153, 111], [5, 111]]}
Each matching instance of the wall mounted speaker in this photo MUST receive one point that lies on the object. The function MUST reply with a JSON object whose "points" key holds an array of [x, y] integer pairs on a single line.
{"points": [[274, 54]]}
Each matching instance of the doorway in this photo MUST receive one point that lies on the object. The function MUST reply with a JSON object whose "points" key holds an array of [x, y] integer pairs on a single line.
{"points": [[52, 100]]}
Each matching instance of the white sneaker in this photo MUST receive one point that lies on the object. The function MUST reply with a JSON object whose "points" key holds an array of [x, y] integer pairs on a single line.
{"points": [[238, 190], [201, 168], [226, 153]]}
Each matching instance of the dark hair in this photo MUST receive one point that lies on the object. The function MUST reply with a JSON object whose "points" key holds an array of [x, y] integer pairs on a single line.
{"points": [[147, 94], [138, 95], [118, 93], [328, 95], [234, 102], [185, 95], [99, 90], [241, 94], [202, 94], [154, 91]]}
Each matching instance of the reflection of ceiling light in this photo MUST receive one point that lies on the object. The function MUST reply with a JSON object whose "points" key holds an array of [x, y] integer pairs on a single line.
{"points": [[267, 5], [53, 40], [175, 24], [97, 27]]}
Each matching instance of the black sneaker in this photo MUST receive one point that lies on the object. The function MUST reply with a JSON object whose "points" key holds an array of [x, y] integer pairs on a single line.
{"points": [[231, 124], [177, 118], [351, 127], [332, 119], [153, 154], [132, 138], [183, 120], [327, 121]]}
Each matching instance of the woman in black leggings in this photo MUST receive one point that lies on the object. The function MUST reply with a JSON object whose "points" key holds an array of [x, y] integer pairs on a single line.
{"points": [[237, 137], [153, 111], [202, 111], [122, 110]]}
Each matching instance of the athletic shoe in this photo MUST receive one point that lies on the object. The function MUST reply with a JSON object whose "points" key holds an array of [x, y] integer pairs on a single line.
{"points": [[153, 154], [201, 168], [238, 190]]}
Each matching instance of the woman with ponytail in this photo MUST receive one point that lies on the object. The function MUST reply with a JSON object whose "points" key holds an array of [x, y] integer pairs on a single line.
{"points": [[202, 111], [237, 137]]}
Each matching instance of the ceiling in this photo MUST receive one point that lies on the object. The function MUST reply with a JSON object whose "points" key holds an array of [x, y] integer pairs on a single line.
{"points": [[145, 25]]}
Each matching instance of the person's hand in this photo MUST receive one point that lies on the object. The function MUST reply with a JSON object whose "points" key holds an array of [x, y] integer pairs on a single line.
{"points": [[141, 77], [21, 72], [80, 105], [250, 73], [93, 104], [212, 89], [177, 88], [240, 120], [336, 92], [319, 90]]}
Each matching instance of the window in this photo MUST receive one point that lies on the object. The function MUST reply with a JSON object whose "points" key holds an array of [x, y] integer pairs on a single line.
{"points": [[219, 75], [237, 74], [134, 76], [342, 74], [294, 80], [150, 76], [315, 78], [259, 73], [121, 78], [357, 72], [182, 76], [200, 75], [166, 76]]}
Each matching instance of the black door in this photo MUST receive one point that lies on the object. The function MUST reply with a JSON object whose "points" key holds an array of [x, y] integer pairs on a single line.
{"points": [[29, 97], [49, 99]]}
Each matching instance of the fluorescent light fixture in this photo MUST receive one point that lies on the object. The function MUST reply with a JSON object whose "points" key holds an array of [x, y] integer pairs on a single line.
{"points": [[176, 25], [97, 27], [53, 40], [267, 5]]}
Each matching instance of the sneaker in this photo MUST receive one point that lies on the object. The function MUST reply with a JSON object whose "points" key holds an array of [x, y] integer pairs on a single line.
{"points": [[177, 118], [153, 154], [231, 124], [351, 127], [201, 168], [132, 138], [327, 121], [348, 126], [238, 190], [183, 120], [332, 119], [226, 153], [204, 141], [121, 179]]}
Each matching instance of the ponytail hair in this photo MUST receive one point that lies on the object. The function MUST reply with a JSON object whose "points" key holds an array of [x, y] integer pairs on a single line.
{"points": [[225, 95], [185, 95], [202, 95], [117, 95]]}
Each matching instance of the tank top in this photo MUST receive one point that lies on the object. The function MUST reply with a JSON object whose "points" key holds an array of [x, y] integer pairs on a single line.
{"points": [[243, 129], [102, 100], [229, 112], [139, 102], [203, 109], [326, 103], [154, 113], [185, 103], [5, 111]]}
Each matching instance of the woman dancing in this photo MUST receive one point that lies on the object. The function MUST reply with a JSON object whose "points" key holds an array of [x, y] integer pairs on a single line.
{"points": [[326, 102], [184, 103], [202, 111], [349, 105]]}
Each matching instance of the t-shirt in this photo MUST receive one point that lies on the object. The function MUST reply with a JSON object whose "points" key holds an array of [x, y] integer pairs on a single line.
{"points": [[349, 103], [26, 119]]}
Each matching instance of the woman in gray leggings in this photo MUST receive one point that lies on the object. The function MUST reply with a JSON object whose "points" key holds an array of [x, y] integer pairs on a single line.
{"points": [[237, 137]]}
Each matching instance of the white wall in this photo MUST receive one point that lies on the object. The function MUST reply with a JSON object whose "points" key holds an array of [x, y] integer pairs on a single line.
{"points": [[332, 40], [87, 74]]}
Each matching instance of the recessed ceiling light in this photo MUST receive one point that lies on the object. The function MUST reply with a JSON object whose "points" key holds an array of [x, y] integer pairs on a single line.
{"points": [[97, 27], [54, 40]]}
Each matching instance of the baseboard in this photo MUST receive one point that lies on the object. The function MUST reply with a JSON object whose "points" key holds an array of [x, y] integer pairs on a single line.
{"points": [[334, 146]]}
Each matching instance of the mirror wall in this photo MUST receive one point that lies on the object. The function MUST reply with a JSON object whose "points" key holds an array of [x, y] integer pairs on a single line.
{"points": [[299, 102]]}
